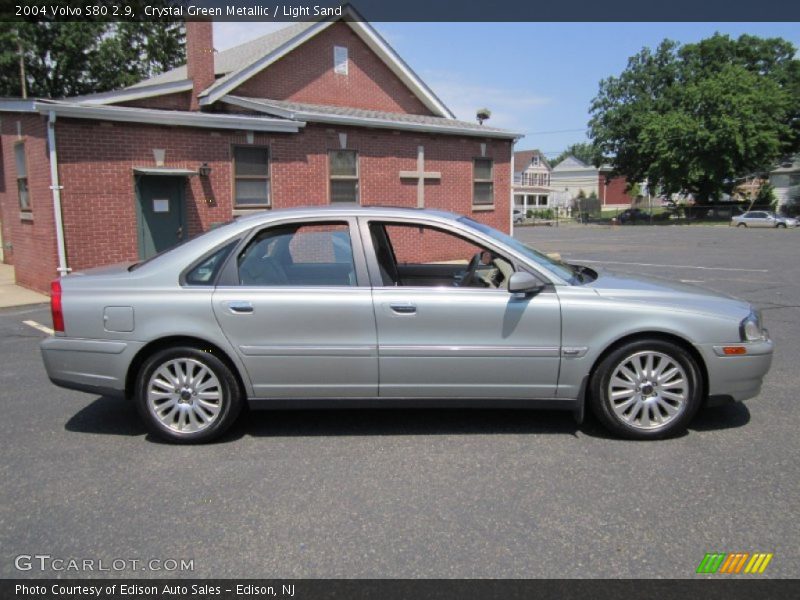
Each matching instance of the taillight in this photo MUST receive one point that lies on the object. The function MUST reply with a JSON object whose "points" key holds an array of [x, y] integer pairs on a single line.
{"points": [[55, 306]]}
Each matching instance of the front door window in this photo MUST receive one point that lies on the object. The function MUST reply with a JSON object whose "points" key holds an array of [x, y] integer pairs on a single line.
{"points": [[414, 255]]}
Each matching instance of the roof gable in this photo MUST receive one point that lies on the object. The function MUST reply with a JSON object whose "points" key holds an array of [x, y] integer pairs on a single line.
{"points": [[524, 159], [230, 82], [307, 75], [572, 164]]}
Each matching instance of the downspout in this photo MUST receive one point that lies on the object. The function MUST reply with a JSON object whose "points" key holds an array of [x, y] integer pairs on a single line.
{"points": [[54, 185]]}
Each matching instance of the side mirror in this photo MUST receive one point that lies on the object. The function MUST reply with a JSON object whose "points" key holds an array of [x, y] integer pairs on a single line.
{"points": [[524, 283]]}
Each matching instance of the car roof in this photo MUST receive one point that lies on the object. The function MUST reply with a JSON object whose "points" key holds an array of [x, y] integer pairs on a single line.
{"points": [[349, 210]]}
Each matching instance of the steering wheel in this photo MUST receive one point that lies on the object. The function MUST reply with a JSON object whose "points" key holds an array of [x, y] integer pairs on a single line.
{"points": [[469, 274]]}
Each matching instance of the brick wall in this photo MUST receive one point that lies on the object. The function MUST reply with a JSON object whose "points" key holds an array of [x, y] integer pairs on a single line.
{"points": [[33, 251], [306, 75], [614, 193], [96, 161]]}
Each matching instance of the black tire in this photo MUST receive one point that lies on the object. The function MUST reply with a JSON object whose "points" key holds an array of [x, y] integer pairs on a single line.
{"points": [[781, 226], [601, 404], [229, 401], [742, 225]]}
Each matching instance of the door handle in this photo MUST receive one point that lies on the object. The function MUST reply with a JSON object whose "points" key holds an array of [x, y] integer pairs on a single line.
{"points": [[404, 309], [240, 307], [179, 233]]}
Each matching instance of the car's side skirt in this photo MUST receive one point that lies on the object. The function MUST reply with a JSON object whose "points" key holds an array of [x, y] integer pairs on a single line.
{"points": [[372, 403]]}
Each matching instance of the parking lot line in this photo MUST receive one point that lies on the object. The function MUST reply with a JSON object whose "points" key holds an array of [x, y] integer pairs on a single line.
{"points": [[39, 326], [616, 262]]}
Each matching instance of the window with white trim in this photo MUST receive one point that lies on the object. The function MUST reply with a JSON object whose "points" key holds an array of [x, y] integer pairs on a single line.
{"points": [[22, 177], [340, 61], [483, 182]]}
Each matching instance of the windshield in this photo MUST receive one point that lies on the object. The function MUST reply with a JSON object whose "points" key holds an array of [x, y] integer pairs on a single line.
{"points": [[557, 268]]}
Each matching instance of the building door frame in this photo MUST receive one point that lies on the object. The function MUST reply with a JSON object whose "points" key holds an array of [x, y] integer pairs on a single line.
{"points": [[176, 206]]}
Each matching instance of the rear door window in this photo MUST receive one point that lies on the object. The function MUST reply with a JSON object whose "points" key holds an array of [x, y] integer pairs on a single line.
{"points": [[318, 254]]}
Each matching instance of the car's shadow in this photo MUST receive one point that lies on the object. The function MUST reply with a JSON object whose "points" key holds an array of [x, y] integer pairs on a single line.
{"points": [[113, 416], [730, 416]]}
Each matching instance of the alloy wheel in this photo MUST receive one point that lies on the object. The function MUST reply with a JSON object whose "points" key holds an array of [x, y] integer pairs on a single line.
{"points": [[184, 395], [648, 390]]}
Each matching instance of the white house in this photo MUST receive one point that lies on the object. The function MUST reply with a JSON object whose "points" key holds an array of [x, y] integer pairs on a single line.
{"points": [[572, 176], [784, 179], [531, 180]]}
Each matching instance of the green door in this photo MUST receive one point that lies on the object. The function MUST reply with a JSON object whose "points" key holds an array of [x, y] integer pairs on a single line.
{"points": [[160, 212]]}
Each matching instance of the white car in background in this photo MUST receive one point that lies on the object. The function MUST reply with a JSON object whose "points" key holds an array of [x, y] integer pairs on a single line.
{"points": [[763, 218]]}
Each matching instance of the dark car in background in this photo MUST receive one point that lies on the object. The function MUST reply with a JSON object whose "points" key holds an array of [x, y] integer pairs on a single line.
{"points": [[631, 215]]}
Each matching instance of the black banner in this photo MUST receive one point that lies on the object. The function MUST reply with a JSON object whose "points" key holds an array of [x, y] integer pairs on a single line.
{"points": [[402, 589], [402, 10]]}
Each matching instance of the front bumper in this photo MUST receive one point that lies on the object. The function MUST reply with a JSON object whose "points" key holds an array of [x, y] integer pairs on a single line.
{"points": [[737, 377], [94, 366]]}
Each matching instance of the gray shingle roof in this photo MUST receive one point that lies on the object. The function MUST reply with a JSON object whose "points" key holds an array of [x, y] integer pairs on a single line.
{"points": [[236, 58], [303, 111]]}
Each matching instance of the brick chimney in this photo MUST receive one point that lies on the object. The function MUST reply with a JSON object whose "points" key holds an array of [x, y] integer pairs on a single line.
{"points": [[199, 57]]}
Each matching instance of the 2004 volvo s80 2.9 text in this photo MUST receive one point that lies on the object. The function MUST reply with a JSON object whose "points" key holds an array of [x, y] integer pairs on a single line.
{"points": [[348, 307]]}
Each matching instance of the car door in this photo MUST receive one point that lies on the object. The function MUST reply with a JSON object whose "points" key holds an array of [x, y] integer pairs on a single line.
{"points": [[449, 340], [294, 301], [758, 219]]}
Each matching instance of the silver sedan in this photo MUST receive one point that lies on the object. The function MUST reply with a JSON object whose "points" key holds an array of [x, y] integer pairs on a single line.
{"points": [[381, 307], [763, 218]]}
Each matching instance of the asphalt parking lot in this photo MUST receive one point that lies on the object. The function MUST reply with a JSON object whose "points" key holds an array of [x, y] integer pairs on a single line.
{"points": [[503, 494]]}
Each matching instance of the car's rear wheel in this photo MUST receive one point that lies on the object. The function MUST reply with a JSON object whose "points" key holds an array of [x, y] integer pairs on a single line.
{"points": [[781, 225], [187, 395], [646, 389]]}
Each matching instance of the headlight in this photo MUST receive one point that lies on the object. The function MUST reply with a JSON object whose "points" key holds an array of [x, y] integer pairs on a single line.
{"points": [[750, 328]]}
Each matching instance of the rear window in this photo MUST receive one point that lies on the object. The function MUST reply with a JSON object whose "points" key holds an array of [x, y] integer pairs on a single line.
{"points": [[205, 273], [142, 263]]}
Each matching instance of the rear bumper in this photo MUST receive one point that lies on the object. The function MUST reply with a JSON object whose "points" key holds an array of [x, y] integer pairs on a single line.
{"points": [[93, 366], [738, 377]]}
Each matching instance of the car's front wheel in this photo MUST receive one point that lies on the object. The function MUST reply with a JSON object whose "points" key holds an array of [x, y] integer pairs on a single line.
{"points": [[646, 389], [742, 225], [187, 395]]}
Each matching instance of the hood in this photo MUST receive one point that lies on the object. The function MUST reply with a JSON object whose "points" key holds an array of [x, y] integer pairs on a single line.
{"points": [[668, 293]]}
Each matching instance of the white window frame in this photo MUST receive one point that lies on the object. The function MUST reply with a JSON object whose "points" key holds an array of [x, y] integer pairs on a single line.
{"points": [[341, 60]]}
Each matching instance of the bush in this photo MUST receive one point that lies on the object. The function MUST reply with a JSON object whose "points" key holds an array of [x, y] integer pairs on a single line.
{"points": [[546, 214]]}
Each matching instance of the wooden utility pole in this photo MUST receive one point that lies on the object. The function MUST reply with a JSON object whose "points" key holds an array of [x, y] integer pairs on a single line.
{"points": [[22, 82]]}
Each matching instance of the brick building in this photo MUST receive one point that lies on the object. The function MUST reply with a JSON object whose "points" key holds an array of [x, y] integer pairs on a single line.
{"points": [[313, 114], [572, 176]]}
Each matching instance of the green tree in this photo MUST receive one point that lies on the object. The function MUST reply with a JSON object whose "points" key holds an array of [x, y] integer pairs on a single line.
{"points": [[583, 151], [765, 196], [691, 118], [76, 58]]}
